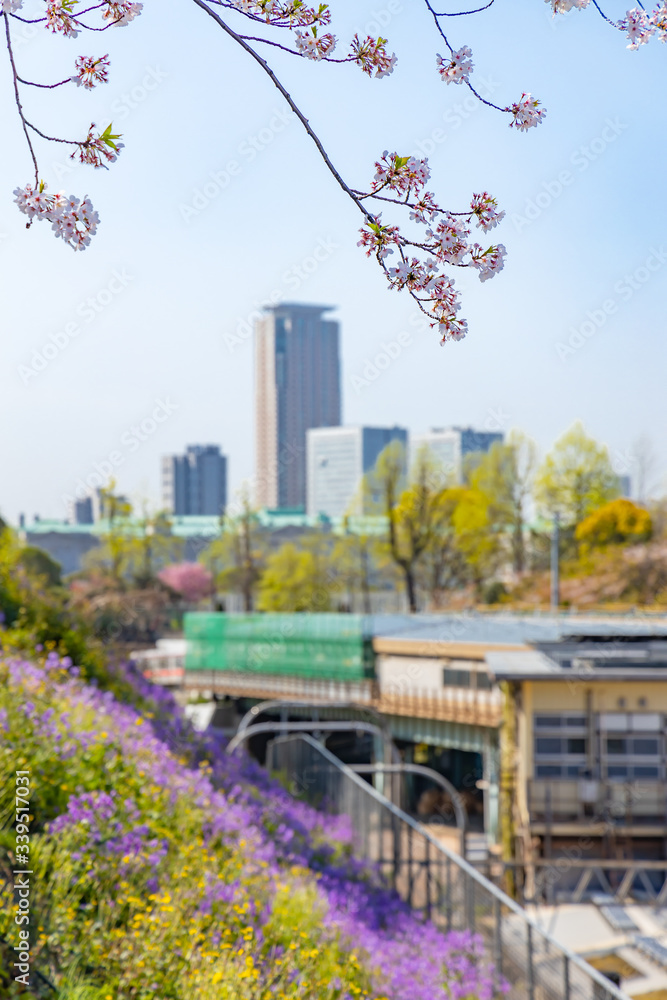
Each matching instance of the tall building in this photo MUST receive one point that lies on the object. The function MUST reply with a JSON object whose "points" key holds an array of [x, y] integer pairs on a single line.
{"points": [[195, 483], [297, 386], [449, 447], [337, 459]]}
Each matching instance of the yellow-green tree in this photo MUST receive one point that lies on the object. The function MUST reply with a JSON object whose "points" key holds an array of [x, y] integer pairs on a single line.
{"points": [[410, 512], [476, 536], [576, 477], [294, 580], [237, 557], [505, 475], [616, 523], [443, 565]]}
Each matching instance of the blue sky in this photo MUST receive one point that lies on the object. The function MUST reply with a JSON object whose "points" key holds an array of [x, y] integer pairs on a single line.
{"points": [[220, 201]]}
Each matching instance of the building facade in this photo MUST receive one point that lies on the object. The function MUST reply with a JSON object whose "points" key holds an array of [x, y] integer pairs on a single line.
{"points": [[450, 448], [297, 386], [195, 483], [337, 460]]}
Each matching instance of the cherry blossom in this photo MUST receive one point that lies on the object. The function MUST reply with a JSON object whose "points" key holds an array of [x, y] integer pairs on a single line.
{"points": [[314, 46], [526, 113], [486, 209], [59, 17], [72, 220], [565, 6], [95, 149], [371, 54], [10, 6], [90, 72], [638, 26], [121, 12], [457, 67]]}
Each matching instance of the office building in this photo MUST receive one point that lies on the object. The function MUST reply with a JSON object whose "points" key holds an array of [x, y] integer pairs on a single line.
{"points": [[196, 482], [297, 386], [452, 449], [337, 460]]}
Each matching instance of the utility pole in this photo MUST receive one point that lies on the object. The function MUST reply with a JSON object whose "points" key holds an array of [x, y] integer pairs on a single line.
{"points": [[555, 568]]}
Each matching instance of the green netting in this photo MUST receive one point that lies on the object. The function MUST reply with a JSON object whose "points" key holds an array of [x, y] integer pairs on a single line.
{"points": [[324, 646]]}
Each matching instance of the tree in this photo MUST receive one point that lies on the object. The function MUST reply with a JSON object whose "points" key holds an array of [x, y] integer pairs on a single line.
{"points": [[294, 580], [616, 523], [476, 535], [39, 565], [410, 513], [424, 257], [443, 565], [237, 557], [505, 474], [575, 478], [191, 581]]}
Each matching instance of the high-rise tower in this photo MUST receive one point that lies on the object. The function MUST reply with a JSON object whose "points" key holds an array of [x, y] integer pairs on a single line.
{"points": [[297, 386]]}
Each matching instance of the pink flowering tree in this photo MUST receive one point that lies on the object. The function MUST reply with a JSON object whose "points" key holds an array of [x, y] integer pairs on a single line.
{"points": [[190, 580], [417, 254]]}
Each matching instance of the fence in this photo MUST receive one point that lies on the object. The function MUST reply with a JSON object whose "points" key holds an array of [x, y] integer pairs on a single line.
{"points": [[438, 882]]}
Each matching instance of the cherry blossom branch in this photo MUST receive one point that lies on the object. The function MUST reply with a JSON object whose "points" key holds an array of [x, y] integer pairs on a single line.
{"points": [[45, 86], [463, 13], [17, 97], [295, 108]]}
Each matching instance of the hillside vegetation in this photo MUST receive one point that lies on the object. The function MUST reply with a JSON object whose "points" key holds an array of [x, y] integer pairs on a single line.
{"points": [[162, 868]]}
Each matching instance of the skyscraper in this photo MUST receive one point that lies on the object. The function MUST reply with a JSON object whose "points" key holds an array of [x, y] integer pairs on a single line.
{"points": [[297, 386], [338, 459], [195, 483], [450, 447]]}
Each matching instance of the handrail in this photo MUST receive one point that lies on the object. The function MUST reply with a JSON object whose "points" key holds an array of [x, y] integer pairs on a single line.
{"points": [[435, 777], [502, 898], [326, 725], [267, 706]]}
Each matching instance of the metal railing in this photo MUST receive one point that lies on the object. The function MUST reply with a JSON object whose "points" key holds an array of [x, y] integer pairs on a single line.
{"points": [[437, 881]]}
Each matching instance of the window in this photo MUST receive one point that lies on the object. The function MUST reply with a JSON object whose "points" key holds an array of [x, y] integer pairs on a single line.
{"points": [[617, 745], [484, 682], [617, 771], [647, 748], [544, 745], [547, 771], [456, 678], [576, 746], [645, 771], [548, 721]]}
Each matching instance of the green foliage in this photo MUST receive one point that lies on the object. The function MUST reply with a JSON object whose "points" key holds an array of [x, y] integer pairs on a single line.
{"points": [[294, 580], [504, 474], [237, 558], [576, 477], [135, 926], [39, 564], [616, 523]]}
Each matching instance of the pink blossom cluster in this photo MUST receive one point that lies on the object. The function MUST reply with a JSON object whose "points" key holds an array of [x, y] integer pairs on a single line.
{"points": [[371, 54], [486, 209], [121, 12], [526, 113], [402, 174], [314, 46], [72, 220], [446, 241], [59, 18], [95, 149], [565, 6], [10, 6], [639, 25], [285, 14], [90, 71], [456, 67]]}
